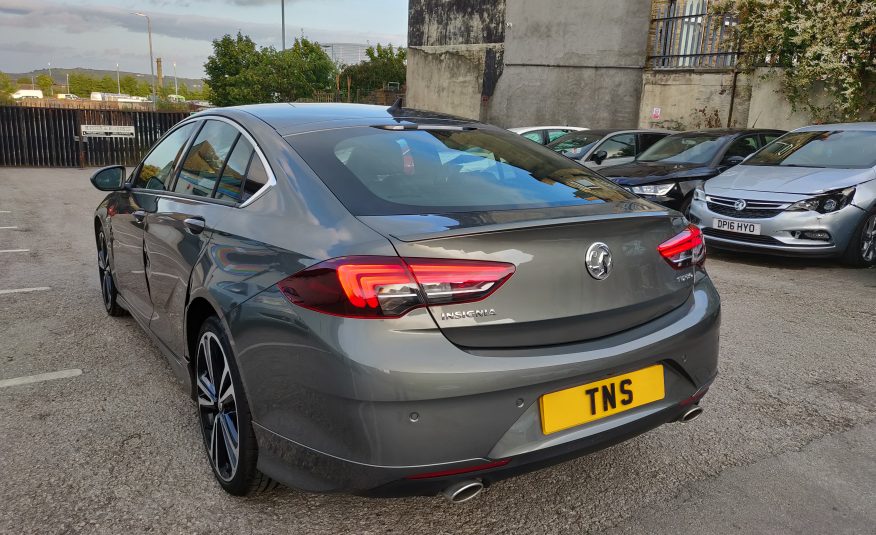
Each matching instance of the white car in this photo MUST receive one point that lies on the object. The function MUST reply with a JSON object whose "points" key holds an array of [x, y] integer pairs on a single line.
{"points": [[27, 93], [545, 134]]}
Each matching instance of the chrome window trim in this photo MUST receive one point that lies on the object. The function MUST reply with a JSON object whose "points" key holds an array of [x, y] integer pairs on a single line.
{"points": [[272, 179]]}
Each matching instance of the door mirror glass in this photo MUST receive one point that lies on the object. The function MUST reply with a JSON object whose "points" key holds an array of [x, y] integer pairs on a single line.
{"points": [[599, 157], [109, 178], [733, 160]]}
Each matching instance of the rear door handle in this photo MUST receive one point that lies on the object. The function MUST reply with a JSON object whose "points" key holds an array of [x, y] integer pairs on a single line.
{"points": [[196, 225], [139, 215]]}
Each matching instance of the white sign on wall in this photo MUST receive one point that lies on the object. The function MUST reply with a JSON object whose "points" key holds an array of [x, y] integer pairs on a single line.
{"points": [[655, 113], [106, 130]]}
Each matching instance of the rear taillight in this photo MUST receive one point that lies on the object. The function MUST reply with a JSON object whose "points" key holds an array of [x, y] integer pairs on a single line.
{"points": [[389, 287], [685, 249]]}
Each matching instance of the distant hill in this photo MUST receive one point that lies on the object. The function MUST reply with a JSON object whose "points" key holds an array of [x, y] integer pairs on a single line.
{"points": [[60, 76]]}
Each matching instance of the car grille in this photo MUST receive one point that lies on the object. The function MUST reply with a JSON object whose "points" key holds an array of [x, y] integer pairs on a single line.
{"points": [[753, 209], [737, 236]]}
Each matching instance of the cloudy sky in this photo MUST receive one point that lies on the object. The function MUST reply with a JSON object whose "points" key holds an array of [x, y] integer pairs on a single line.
{"points": [[100, 33]]}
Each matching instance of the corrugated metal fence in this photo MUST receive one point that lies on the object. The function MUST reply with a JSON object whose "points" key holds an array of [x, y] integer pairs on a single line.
{"points": [[687, 34], [47, 137]]}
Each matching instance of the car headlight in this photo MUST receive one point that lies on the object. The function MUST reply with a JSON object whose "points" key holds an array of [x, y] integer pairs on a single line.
{"points": [[652, 189], [826, 202], [699, 194]]}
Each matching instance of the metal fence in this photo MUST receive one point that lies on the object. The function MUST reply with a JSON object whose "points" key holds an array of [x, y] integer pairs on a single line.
{"points": [[51, 137], [686, 35]]}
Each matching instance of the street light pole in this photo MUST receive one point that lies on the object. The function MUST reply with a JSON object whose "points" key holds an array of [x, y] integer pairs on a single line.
{"points": [[175, 81], [151, 61], [52, 86], [283, 19], [118, 80]]}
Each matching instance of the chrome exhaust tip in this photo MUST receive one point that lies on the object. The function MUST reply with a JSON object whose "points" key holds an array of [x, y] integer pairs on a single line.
{"points": [[463, 491], [690, 414]]}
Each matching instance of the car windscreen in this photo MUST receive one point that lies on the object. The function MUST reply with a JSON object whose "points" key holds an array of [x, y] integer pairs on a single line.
{"points": [[577, 143], [839, 149], [684, 148], [379, 171]]}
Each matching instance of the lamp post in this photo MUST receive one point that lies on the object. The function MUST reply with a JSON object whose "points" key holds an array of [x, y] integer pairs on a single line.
{"points": [[151, 61], [118, 81], [52, 86], [175, 81], [283, 21]]}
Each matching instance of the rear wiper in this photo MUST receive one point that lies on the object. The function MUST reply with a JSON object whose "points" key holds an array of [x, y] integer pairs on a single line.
{"points": [[798, 165]]}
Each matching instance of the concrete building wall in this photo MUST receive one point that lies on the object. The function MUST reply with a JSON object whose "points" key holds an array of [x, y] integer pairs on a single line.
{"points": [[575, 62], [520, 62], [694, 99], [453, 47]]}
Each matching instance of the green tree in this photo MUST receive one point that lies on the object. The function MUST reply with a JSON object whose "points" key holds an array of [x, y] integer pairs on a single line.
{"points": [[232, 71], [6, 85], [82, 85], [23, 80], [811, 44], [385, 64], [238, 72], [45, 84]]}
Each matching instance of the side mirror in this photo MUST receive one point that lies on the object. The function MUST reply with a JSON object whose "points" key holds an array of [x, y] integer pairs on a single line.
{"points": [[733, 160], [109, 178], [599, 157]]}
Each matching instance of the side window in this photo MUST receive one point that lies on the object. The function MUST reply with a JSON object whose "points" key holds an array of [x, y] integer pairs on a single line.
{"points": [[204, 161], [158, 166], [646, 140], [534, 136], [231, 184], [768, 138], [619, 146], [554, 134], [742, 146], [256, 177]]}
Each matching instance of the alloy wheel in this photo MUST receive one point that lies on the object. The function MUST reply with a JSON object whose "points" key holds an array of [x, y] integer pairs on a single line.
{"points": [[868, 240], [217, 406], [106, 278]]}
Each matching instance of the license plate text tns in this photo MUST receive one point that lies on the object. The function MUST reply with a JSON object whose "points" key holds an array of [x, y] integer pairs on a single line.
{"points": [[581, 404]]}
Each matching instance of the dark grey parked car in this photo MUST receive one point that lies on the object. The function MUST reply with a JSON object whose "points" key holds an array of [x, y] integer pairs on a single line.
{"points": [[379, 301]]}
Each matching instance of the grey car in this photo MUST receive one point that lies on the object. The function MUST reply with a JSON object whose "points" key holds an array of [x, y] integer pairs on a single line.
{"points": [[811, 193], [599, 148], [382, 301]]}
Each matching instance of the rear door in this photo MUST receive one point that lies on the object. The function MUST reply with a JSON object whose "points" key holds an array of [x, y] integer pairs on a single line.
{"points": [[209, 183]]}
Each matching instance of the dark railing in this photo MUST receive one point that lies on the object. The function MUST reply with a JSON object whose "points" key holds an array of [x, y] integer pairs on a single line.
{"points": [[686, 35], [50, 137]]}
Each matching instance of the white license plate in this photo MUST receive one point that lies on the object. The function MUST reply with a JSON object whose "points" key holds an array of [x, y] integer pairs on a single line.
{"points": [[736, 226]]}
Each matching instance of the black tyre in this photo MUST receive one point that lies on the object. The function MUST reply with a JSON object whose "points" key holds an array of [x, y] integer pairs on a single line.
{"points": [[861, 251], [107, 284], [223, 412]]}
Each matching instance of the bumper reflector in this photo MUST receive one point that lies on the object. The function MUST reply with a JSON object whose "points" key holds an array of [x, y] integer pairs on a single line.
{"points": [[455, 471]]}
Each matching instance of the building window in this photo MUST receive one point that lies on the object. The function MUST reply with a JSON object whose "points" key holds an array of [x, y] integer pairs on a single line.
{"points": [[685, 34]]}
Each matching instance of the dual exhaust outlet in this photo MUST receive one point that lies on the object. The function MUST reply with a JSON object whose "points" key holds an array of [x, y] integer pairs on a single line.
{"points": [[463, 491]]}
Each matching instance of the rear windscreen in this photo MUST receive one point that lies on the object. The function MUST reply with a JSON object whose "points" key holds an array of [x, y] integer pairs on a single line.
{"points": [[375, 171]]}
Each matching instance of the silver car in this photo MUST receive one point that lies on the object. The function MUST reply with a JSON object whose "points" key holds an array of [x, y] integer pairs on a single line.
{"points": [[811, 192]]}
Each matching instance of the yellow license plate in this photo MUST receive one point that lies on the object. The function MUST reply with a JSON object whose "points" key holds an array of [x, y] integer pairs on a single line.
{"points": [[586, 403]]}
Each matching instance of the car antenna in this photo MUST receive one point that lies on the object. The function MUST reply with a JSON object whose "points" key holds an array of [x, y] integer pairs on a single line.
{"points": [[397, 105]]}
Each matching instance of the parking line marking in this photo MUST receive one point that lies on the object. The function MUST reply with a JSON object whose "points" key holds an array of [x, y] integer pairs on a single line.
{"points": [[24, 290], [14, 250], [63, 374], [8, 228]]}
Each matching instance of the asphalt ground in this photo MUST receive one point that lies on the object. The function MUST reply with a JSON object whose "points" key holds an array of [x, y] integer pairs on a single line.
{"points": [[787, 443]]}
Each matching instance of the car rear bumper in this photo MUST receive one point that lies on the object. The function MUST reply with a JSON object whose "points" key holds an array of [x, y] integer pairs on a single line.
{"points": [[367, 427], [780, 234]]}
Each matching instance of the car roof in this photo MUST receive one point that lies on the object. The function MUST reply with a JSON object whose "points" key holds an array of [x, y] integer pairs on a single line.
{"points": [[870, 127], [295, 118], [524, 129], [731, 131]]}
